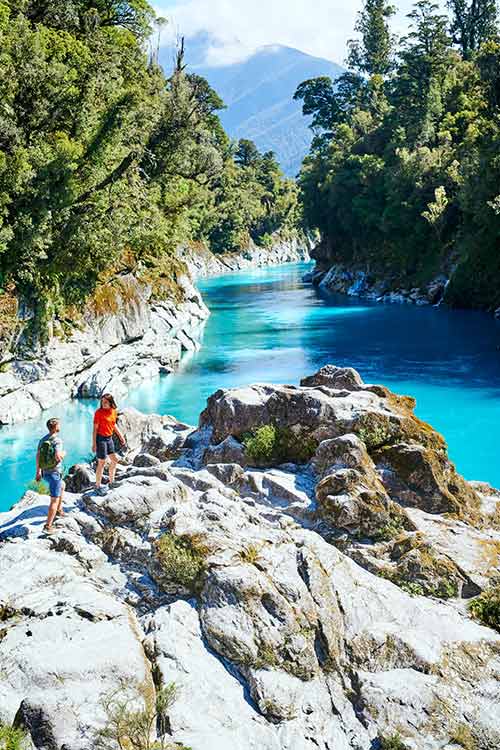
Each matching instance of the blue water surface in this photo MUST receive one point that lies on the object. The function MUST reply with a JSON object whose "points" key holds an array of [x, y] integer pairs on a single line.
{"points": [[268, 326]]}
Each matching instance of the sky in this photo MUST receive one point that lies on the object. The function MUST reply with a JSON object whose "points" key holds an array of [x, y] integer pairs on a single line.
{"points": [[318, 27]]}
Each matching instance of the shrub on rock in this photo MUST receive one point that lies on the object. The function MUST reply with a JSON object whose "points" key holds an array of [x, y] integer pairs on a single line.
{"points": [[271, 444], [486, 608], [181, 560]]}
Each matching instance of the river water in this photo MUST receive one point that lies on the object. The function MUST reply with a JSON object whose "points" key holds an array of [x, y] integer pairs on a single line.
{"points": [[268, 326]]}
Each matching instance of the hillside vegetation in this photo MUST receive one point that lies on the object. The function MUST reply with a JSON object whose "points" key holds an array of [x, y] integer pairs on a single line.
{"points": [[403, 177], [106, 164]]}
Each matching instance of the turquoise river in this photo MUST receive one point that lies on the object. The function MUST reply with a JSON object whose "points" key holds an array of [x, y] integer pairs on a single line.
{"points": [[269, 326]]}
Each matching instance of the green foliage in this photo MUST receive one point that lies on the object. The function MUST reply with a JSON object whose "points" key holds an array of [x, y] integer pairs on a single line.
{"points": [[106, 164], [182, 559], [137, 719], [402, 178], [12, 738], [390, 531], [391, 742], [486, 608], [252, 201], [412, 587], [270, 444], [41, 488]]}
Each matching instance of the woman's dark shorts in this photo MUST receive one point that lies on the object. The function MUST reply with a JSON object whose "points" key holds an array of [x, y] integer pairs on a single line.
{"points": [[105, 446]]}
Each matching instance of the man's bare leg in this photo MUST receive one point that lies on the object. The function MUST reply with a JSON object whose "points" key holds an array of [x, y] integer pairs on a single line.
{"points": [[60, 510], [54, 502]]}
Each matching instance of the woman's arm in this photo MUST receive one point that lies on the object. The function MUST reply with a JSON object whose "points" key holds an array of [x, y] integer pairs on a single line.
{"points": [[94, 438], [120, 435]]}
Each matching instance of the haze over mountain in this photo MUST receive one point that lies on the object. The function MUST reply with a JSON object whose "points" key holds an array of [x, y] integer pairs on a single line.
{"points": [[258, 93]]}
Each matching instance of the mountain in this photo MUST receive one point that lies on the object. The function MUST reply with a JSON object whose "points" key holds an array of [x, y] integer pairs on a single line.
{"points": [[258, 93]]}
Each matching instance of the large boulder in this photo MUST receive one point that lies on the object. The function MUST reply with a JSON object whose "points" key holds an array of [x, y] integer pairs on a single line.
{"points": [[318, 412], [162, 437]]}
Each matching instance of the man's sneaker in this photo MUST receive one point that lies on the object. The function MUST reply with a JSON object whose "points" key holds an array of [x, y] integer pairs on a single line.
{"points": [[101, 491]]}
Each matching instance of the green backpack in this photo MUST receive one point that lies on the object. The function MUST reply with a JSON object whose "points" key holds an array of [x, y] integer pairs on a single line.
{"points": [[47, 457]]}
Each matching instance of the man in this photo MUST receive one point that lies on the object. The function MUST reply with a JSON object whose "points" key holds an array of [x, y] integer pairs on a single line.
{"points": [[49, 458]]}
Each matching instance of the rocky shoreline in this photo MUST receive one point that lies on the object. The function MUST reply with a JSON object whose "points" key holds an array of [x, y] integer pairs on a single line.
{"points": [[360, 283], [308, 591], [118, 350]]}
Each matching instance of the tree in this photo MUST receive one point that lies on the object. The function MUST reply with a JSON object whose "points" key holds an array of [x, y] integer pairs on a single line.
{"points": [[402, 178], [330, 102], [416, 91], [246, 153], [473, 22], [373, 53], [84, 15], [160, 24]]}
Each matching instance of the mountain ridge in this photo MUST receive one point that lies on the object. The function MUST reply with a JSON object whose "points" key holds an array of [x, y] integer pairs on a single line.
{"points": [[258, 92]]}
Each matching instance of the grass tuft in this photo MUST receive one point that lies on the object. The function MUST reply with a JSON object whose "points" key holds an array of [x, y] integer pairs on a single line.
{"points": [[12, 738], [462, 735], [182, 559]]}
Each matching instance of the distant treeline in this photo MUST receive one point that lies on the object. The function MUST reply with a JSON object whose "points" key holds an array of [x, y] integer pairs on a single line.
{"points": [[106, 163], [403, 178]]}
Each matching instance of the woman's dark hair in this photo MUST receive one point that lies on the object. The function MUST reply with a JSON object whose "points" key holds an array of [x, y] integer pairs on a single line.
{"points": [[109, 398]]}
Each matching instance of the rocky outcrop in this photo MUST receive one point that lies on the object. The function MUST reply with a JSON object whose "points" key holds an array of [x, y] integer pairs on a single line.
{"points": [[136, 340], [291, 605], [201, 262]]}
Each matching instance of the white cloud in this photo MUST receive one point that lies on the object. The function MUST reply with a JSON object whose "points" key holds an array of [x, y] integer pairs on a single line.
{"points": [[319, 27]]}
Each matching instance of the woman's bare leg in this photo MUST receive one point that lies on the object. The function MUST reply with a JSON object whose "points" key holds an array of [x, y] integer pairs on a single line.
{"points": [[113, 461], [99, 471]]}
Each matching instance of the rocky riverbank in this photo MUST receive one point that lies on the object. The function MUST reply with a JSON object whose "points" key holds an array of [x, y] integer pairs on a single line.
{"points": [[308, 585], [201, 262], [137, 339], [360, 283]]}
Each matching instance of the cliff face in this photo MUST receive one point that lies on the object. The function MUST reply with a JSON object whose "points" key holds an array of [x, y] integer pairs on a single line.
{"points": [[116, 350], [108, 351], [306, 592]]}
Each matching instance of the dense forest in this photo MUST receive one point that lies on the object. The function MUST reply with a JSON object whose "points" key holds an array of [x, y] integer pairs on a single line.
{"points": [[107, 163], [403, 178]]}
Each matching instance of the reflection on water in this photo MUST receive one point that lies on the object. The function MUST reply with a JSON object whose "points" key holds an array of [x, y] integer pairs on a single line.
{"points": [[267, 325]]}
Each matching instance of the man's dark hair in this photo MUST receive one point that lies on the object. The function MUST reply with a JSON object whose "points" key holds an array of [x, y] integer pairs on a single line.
{"points": [[52, 424]]}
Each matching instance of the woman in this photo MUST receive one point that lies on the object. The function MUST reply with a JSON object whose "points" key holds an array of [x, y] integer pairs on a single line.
{"points": [[102, 440]]}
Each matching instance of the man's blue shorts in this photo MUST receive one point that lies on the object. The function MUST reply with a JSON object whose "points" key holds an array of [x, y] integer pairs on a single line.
{"points": [[55, 482]]}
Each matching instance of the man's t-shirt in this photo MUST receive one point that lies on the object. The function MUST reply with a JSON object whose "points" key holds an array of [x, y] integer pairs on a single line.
{"points": [[105, 421], [57, 448]]}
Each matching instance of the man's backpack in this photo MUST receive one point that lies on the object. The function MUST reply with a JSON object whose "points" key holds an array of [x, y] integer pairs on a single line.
{"points": [[47, 457]]}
